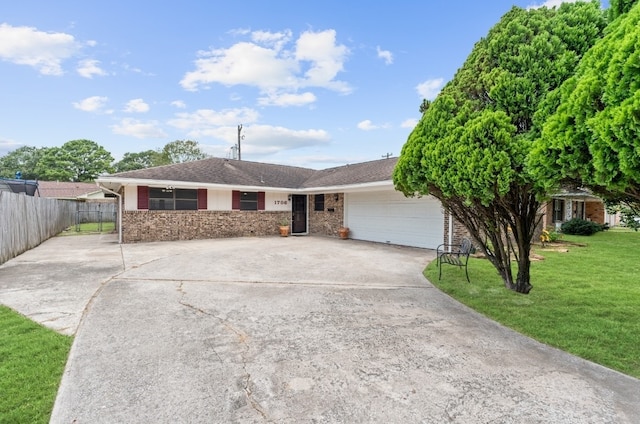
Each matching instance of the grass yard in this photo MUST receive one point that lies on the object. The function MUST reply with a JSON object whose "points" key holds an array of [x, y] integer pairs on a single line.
{"points": [[585, 301], [90, 227], [32, 360]]}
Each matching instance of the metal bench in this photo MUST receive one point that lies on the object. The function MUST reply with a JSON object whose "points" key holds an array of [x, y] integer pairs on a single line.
{"points": [[454, 254]]}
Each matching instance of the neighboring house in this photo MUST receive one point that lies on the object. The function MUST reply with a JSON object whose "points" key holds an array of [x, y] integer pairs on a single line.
{"points": [[214, 198], [92, 203], [576, 203], [70, 190]]}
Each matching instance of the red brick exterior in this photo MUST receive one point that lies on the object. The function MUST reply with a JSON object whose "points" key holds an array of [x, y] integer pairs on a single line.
{"points": [[594, 211]]}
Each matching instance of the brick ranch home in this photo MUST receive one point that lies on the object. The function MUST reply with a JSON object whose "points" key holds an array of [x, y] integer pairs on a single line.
{"points": [[216, 198]]}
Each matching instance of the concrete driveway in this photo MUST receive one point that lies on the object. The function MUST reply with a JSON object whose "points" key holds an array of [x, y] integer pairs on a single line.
{"points": [[289, 330]]}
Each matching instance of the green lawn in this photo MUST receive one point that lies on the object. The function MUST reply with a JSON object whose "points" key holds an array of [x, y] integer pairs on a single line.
{"points": [[32, 360], [585, 301], [89, 227]]}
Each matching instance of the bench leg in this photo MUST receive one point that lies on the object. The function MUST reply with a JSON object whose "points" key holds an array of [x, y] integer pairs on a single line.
{"points": [[466, 271]]}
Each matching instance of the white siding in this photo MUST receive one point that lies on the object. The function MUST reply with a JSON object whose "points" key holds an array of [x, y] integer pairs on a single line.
{"points": [[389, 217], [277, 202], [218, 200]]}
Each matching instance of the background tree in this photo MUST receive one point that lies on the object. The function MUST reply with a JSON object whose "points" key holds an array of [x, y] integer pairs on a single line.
{"points": [[142, 160], [76, 160], [593, 137], [24, 159], [470, 147], [180, 151]]}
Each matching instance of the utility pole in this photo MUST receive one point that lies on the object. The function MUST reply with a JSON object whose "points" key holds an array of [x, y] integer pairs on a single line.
{"points": [[387, 155], [239, 138]]}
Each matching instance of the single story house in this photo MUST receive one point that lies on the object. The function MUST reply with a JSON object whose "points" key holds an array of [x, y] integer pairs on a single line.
{"points": [[68, 190], [576, 203], [216, 197]]}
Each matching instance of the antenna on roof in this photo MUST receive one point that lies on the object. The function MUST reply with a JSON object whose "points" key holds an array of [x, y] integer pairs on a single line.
{"points": [[240, 137], [387, 155]]}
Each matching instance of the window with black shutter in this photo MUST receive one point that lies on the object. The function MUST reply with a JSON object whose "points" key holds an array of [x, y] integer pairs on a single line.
{"points": [[162, 199]]}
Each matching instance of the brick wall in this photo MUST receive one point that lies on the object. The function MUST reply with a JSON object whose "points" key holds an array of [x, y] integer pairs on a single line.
{"points": [[145, 226], [459, 231], [594, 211], [326, 222]]}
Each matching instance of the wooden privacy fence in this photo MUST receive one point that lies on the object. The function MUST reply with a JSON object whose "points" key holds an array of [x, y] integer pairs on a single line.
{"points": [[27, 221]]}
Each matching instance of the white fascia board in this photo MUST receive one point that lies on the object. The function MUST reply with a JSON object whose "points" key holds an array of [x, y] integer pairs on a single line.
{"points": [[114, 185], [108, 182], [351, 188]]}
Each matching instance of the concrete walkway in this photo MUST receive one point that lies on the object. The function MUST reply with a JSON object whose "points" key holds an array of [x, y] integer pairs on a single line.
{"points": [[289, 330]]}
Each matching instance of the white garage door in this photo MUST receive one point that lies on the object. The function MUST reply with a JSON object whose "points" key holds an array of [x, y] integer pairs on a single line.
{"points": [[389, 217]]}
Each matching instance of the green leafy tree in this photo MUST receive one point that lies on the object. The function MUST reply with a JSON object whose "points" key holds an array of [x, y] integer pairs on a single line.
{"points": [[142, 160], [619, 7], [76, 160], [470, 146], [24, 159], [593, 137], [180, 151]]}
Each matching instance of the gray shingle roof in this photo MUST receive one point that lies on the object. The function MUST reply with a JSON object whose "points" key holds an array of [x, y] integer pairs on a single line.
{"points": [[246, 173], [358, 173]]}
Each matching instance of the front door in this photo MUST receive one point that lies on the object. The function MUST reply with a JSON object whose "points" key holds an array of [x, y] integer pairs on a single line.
{"points": [[299, 213]]}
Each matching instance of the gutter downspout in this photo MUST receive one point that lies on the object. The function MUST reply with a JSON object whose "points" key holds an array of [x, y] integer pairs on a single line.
{"points": [[119, 210]]}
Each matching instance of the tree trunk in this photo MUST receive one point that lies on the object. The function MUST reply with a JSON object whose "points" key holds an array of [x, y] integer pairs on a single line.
{"points": [[502, 229]]}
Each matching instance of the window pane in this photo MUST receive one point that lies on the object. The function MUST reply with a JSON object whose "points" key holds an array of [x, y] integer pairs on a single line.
{"points": [[248, 205], [160, 193], [186, 204], [161, 204], [318, 202], [186, 194], [249, 201], [251, 196]]}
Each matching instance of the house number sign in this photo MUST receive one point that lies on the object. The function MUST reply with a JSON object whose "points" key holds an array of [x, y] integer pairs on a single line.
{"points": [[280, 202]]}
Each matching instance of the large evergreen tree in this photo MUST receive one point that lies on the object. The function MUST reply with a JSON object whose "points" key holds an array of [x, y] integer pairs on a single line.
{"points": [[593, 138], [470, 146]]}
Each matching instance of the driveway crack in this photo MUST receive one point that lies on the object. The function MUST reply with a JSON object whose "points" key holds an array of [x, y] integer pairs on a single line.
{"points": [[242, 338]]}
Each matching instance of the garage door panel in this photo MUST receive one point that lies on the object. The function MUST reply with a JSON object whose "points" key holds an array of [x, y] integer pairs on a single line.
{"points": [[389, 217]]}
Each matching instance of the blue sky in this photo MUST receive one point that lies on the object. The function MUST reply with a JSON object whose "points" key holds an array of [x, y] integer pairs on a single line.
{"points": [[314, 84]]}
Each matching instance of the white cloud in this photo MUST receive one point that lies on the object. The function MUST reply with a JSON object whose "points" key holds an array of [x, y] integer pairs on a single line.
{"points": [[326, 57], [241, 64], [179, 104], [44, 51], [7, 146], [139, 129], [91, 104], [274, 63], [277, 40], [430, 88], [136, 106], [386, 55], [259, 139], [267, 139], [367, 125], [287, 99], [409, 123], [90, 67], [205, 122], [551, 4]]}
